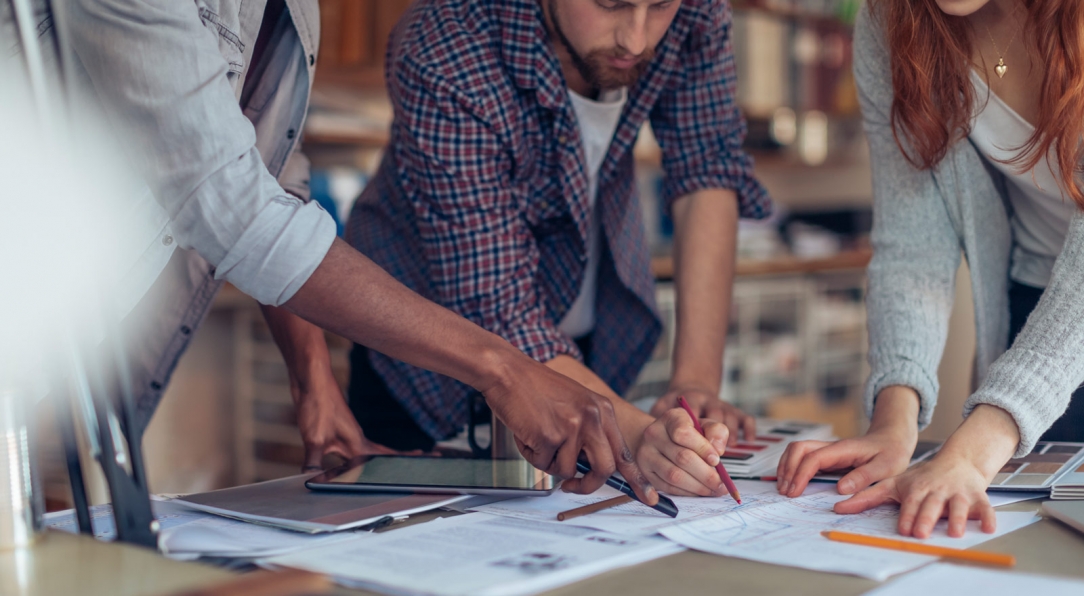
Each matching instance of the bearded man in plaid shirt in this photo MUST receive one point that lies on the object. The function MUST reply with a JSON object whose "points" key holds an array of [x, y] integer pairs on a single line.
{"points": [[507, 194]]}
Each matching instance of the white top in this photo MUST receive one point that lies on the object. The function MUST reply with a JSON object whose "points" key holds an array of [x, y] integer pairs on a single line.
{"points": [[1041, 214], [598, 122]]}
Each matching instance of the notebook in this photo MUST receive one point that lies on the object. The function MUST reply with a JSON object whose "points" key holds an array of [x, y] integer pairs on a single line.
{"points": [[760, 456]]}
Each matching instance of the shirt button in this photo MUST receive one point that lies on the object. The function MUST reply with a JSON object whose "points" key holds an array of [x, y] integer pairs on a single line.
{"points": [[156, 385], [167, 240], [290, 134], [312, 59], [185, 329], [562, 139]]}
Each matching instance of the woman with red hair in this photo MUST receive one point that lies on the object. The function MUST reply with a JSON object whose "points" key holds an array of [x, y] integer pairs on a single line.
{"points": [[974, 111]]}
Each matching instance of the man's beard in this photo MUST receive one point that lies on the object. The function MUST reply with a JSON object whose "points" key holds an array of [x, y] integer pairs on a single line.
{"points": [[594, 67]]}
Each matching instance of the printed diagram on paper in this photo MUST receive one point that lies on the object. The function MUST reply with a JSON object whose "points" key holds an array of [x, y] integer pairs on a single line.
{"points": [[637, 518], [788, 532], [476, 554]]}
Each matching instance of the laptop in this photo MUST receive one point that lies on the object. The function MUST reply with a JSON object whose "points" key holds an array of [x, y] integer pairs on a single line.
{"points": [[1070, 513]]}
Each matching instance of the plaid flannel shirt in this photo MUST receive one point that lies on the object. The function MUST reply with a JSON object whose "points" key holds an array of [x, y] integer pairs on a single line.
{"points": [[480, 203]]}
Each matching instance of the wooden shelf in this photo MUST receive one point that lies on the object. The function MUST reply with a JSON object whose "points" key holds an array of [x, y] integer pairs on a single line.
{"points": [[663, 267], [375, 140], [797, 15]]}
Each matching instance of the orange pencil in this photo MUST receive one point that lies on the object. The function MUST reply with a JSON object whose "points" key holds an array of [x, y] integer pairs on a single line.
{"points": [[733, 490], [972, 556]]}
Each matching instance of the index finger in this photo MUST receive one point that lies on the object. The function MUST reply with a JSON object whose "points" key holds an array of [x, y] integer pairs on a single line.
{"points": [[625, 462], [869, 498], [714, 409], [749, 428], [600, 457], [717, 434], [682, 432], [827, 458], [314, 454]]}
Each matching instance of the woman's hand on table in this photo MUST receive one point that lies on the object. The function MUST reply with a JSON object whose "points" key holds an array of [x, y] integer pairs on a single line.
{"points": [[871, 458], [882, 453], [678, 459], [946, 486], [953, 483]]}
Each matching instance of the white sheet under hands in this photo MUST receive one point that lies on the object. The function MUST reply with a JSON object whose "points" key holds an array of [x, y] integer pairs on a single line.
{"points": [[946, 578], [789, 533], [636, 518], [999, 498], [475, 554]]}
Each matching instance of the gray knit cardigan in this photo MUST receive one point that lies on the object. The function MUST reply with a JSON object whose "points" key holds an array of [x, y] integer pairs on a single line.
{"points": [[922, 220]]}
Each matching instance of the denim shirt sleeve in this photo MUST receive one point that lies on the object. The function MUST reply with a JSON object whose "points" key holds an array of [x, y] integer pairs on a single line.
{"points": [[165, 86]]}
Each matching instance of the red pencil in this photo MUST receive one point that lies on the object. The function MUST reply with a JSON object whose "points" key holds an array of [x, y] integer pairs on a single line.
{"points": [[718, 468]]}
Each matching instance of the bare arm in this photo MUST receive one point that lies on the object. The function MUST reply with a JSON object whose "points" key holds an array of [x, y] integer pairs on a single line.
{"points": [[705, 240], [327, 426], [553, 418]]}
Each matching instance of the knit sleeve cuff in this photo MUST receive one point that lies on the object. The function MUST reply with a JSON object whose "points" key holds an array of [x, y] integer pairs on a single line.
{"points": [[909, 374], [1023, 384]]}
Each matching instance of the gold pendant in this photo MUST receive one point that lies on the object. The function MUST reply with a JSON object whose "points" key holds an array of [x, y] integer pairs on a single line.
{"points": [[1000, 68]]}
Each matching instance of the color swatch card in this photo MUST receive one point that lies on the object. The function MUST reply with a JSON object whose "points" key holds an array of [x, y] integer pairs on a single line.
{"points": [[1046, 466], [760, 456]]}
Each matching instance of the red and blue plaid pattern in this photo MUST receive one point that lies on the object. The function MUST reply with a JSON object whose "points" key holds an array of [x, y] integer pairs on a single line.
{"points": [[480, 203]]}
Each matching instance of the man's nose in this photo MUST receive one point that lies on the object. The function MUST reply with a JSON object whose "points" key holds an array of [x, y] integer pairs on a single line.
{"points": [[632, 35]]}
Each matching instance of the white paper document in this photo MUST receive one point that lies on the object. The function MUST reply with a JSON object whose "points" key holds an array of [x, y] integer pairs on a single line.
{"points": [[186, 533], [946, 578], [636, 518], [999, 498], [476, 554], [789, 533]]}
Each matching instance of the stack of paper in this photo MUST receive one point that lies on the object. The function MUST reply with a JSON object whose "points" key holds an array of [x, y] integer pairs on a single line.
{"points": [[760, 456], [475, 554], [188, 534]]}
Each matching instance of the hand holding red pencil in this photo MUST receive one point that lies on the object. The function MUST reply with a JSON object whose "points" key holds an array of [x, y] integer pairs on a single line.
{"points": [[727, 481]]}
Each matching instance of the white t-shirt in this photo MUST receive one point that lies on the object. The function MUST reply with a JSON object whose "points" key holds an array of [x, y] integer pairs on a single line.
{"points": [[598, 122], [1041, 213]]}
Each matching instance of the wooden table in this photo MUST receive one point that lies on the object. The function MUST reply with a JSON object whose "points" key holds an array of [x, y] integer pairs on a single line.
{"points": [[66, 564]]}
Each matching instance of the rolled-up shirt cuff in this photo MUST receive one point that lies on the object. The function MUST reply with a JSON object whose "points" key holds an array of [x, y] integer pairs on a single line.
{"points": [[279, 250], [543, 343], [753, 199]]}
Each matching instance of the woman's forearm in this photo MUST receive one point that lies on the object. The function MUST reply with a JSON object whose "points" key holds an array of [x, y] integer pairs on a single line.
{"points": [[987, 438], [896, 411]]}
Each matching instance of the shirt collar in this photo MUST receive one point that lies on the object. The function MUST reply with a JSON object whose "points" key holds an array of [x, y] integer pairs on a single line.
{"points": [[526, 51]]}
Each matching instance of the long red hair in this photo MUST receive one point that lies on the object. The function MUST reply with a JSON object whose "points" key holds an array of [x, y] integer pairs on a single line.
{"points": [[930, 56]]}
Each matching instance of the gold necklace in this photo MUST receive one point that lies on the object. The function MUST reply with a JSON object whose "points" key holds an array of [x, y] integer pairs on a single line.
{"points": [[1001, 67]]}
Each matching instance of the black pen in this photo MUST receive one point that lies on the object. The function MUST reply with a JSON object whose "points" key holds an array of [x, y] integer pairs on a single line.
{"points": [[664, 505]]}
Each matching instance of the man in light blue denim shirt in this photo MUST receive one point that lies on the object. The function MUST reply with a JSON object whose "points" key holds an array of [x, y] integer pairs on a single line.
{"points": [[210, 97]]}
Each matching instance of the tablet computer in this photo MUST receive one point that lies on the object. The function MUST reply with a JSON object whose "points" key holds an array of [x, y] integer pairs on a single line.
{"points": [[436, 475]]}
